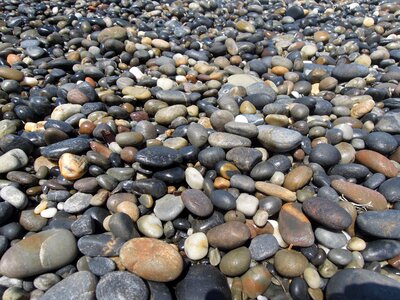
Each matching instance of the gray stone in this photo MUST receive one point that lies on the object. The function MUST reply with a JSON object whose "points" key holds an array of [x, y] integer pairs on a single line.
{"points": [[78, 202], [278, 139], [263, 246]]}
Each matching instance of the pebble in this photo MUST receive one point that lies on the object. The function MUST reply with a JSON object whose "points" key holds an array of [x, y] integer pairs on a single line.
{"points": [[168, 207], [196, 246], [379, 250], [13, 160], [263, 246], [151, 259], [229, 235], [278, 139], [330, 238], [14, 196], [122, 285], [290, 263], [327, 213], [390, 189], [77, 285], [42, 252], [197, 202], [235, 262], [294, 226]]}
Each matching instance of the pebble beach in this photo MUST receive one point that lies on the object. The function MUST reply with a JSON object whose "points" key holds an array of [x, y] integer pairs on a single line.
{"points": [[200, 150]]}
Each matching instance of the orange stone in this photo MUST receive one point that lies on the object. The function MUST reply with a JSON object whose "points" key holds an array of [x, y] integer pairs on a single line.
{"points": [[13, 58], [256, 281], [377, 162], [151, 259], [359, 194], [91, 81], [279, 70], [294, 226], [271, 189], [72, 166], [297, 178]]}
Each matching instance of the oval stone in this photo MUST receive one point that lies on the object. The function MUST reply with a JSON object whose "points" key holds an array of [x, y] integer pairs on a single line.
{"points": [[327, 213], [197, 202], [297, 178], [229, 235], [39, 253], [371, 285], [151, 259], [377, 162], [361, 195], [278, 139], [381, 224]]}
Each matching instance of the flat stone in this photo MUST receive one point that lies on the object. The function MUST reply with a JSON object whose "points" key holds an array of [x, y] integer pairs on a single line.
{"points": [[390, 122], [278, 139], [13, 160], [115, 32], [10, 73], [327, 213], [121, 285], [80, 285], [100, 245], [14, 196], [168, 207], [346, 72], [243, 80], [39, 253], [371, 199], [298, 178], [151, 259], [379, 250], [197, 202], [166, 115], [263, 246], [158, 156], [271, 189], [374, 286], [294, 226], [382, 224], [377, 162], [228, 140], [78, 202], [330, 238], [74, 146], [229, 235]]}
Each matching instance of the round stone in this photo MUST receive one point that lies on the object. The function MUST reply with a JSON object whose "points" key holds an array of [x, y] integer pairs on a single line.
{"points": [[290, 263], [196, 246], [235, 262]]}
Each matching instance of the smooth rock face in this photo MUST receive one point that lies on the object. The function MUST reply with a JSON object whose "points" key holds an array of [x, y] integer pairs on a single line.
{"points": [[330, 238], [13, 160], [228, 236], [327, 213], [197, 202], [278, 139], [369, 198], [80, 285], [359, 284], [382, 224], [158, 156], [168, 207], [39, 253], [294, 226], [346, 72], [379, 250], [121, 285], [201, 282], [377, 162], [290, 263], [228, 140], [263, 246], [391, 189], [151, 259]]}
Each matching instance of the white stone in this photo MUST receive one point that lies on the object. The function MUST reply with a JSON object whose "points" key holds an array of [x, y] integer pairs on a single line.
{"points": [[260, 218], [48, 213], [241, 119], [165, 83], [64, 111], [168, 207], [196, 246], [278, 178], [247, 204], [194, 178], [13, 160], [150, 226], [136, 72], [347, 131], [14, 196]]}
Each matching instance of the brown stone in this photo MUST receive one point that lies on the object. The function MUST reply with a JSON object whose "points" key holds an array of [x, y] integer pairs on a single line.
{"points": [[377, 162], [72, 166], [10, 73], [151, 259], [368, 198], [256, 281], [271, 189], [76, 96], [290, 263], [297, 178], [294, 226], [255, 230], [128, 154], [321, 36], [279, 70], [115, 199], [228, 236]]}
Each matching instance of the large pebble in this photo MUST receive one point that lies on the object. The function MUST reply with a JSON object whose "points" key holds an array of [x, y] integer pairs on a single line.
{"points": [[382, 224], [151, 259], [13, 160], [229, 235], [278, 139], [39, 253], [370, 285]]}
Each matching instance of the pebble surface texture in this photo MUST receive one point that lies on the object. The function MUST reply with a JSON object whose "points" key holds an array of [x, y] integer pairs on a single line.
{"points": [[177, 149]]}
